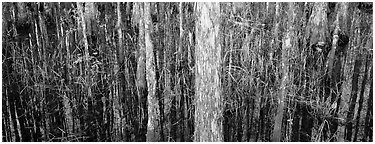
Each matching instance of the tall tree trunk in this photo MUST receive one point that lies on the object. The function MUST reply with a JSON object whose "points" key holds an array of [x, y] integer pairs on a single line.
{"points": [[87, 72], [334, 64], [368, 131], [180, 76], [227, 44], [353, 99], [8, 72], [208, 100], [286, 48], [360, 103], [369, 113], [170, 100], [117, 91], [190, 64], [141, 70], [159, 65], [86, 51], [153, 127], [368, 59], [355, 77], [167, 75]]}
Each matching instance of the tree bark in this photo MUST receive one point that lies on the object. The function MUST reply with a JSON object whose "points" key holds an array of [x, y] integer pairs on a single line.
{"points": [[153, 127], [355, 77], [86, 51], [335, 61], [227, 44], [117, 134], [159, 64], [360, 103], [208, 100], [180, 76], [141, 69], [167, 75], [11, 123], [353, 99], [369, 113], [286, 48]]}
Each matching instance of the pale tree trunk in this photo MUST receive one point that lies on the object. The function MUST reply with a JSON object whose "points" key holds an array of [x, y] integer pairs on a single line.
{"points": [[168, 98], [180, 76], [275, 42], [141, 65], [285, 56], [117, 109], [153, 128], [278, 118], [167, 85], [208, 100]]}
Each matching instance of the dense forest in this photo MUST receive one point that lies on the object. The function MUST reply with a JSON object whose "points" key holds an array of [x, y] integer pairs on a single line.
{"points": [[184, 71]]}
